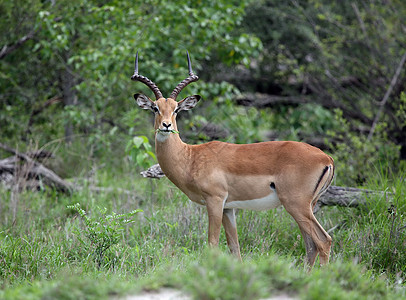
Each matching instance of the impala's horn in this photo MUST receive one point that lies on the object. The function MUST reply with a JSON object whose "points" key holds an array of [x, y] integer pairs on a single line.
{"points": [[145, 80], [192, 77]]}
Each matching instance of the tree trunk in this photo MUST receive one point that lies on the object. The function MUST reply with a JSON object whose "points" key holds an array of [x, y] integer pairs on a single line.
{"points": [[69, 95]]}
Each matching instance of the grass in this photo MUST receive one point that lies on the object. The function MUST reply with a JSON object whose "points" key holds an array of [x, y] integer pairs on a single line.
{"points": [[41, 256], [215, 275]]}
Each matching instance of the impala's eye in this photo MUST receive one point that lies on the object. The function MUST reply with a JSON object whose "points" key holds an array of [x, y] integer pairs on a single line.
{"points": [[155, 108], [176, 110]]}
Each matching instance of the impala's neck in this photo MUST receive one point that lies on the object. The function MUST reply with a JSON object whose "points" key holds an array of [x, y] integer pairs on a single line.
{"points": [[173, 156]]}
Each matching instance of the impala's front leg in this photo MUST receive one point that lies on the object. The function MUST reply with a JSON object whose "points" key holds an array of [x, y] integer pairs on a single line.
{"points": [[214, 207]]}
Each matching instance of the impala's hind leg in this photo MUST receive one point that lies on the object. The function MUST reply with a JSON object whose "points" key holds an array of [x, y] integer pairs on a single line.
{"points": [[324, 241], [317, 240], [311, 248], [230, 227]]}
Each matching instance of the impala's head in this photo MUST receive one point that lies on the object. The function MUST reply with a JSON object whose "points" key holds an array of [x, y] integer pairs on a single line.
{"points": [[165, 109]]}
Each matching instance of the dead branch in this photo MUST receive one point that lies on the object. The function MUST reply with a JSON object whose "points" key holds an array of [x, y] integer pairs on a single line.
{"points": [[34, 170], [35, 175], [153, 172]]}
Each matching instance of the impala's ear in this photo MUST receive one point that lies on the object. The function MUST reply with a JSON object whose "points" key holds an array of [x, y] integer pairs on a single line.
{"points": [[187, 103], [144, 102]]}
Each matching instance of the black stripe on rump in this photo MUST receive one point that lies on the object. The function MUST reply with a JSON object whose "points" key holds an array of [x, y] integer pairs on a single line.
{"points": [[321, 177]]}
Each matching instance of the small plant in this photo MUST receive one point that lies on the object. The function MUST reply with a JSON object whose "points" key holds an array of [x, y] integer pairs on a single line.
{"points": [[102, 231], [356, 156], [140, 151], [395, 241]]}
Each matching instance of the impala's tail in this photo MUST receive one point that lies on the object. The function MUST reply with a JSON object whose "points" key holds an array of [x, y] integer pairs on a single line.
{"points": [[325, 179]]}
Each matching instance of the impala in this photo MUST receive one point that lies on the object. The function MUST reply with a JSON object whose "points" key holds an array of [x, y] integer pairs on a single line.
{"points": [[225, 177]]}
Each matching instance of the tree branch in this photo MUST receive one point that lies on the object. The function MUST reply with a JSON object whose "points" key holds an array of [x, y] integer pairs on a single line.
{"points": [[265, 100], [386, 96], [7, 49]]}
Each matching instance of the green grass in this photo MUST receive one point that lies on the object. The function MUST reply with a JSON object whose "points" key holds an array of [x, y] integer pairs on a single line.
{"points": [[213, 274], [41, 256]]}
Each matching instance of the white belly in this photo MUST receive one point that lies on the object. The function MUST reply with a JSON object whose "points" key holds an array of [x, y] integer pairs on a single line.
{"points": [[265, 203]]}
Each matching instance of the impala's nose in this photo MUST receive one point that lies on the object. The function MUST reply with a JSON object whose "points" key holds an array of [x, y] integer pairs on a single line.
{"points": [[166, 125]]}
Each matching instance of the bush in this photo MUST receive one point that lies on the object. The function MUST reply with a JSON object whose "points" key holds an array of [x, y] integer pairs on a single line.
{"points": [[358, 158], [102, 231]]}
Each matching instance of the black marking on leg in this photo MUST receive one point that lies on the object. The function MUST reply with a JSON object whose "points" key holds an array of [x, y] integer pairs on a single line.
{"points": [[321, 177], [272, 185]]}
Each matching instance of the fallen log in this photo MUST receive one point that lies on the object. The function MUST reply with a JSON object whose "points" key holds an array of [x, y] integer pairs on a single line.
{"points": [[23, 172], [23, 166], [345, 197]]}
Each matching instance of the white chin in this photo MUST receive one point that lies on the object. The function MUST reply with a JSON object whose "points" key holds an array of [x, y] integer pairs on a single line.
{"points": [[161, 136]]}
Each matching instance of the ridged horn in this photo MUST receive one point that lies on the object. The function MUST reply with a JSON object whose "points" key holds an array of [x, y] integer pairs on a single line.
{"points": [[145, 80], [192, 77]]}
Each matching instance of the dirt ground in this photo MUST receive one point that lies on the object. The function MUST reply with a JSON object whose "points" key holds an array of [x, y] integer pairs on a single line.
{"points": [[171, 294]]}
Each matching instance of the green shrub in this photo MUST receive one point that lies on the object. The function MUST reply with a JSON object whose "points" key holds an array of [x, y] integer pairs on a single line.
{"points": [[102, 231], [356, 157], [140, 151]]}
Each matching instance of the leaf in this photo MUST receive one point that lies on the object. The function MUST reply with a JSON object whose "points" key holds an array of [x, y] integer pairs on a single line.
{"points": [[151, 154], [128, 146], [138, 141], [140, 159]]}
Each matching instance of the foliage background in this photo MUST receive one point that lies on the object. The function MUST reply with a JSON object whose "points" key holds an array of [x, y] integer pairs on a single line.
{"points": [[314, 71], [66, 67]]}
